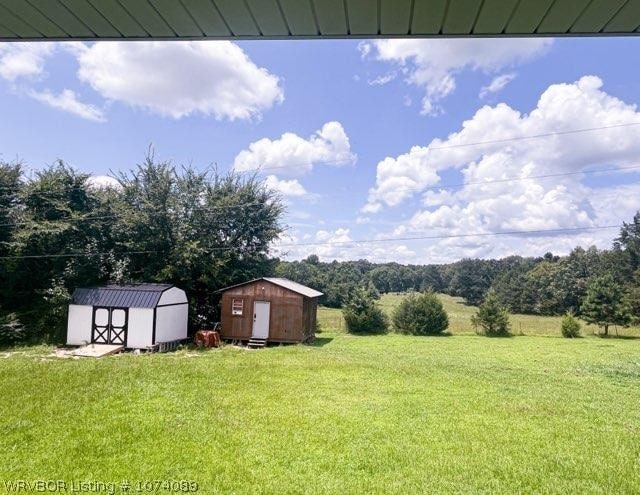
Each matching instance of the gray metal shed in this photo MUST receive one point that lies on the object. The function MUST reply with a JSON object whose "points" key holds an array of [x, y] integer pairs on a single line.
{"points": [[135, 316]]}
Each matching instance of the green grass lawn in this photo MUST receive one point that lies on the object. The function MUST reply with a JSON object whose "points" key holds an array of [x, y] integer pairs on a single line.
{"points": [[376, 414]]}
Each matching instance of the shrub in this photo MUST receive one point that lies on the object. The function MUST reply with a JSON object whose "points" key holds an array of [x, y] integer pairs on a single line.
{"points": [[570, 326], [421, 314], [492, 319], [11, 330], [361, 315]]}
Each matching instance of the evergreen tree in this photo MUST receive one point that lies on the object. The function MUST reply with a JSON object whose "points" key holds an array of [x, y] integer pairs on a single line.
{"points": [[570, 326], [361, 315], [492, 319], [629, 241], [421, 314], [605, 304]]}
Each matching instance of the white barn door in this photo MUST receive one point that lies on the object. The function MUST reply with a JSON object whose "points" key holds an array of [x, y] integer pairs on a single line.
{"points": [[261, 312]]}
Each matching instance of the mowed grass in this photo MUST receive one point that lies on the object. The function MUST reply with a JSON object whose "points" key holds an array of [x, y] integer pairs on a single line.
{"points": [[460, 319], [350, 414]]}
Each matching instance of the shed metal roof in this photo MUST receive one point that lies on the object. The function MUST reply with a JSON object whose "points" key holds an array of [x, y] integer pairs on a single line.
{"points": [[236, 19], [294, 286], [282, 282], [121, 296]]}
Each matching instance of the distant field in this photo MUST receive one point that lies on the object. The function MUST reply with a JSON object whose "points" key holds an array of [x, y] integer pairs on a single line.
{"points": [[460, 319], [349, 415]]}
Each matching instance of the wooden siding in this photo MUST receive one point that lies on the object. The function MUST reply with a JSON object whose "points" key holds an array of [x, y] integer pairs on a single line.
{"points": [[292, 316]]}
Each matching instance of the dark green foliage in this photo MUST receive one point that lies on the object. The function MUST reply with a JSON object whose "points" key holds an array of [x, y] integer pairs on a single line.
{"points": [[605, 304], [513, 287], [336, 280], [472, 279], [629, 241], [420, 314], [492, 319], [205, 230], [198, 230], [570, 326], [361, 315], [633, 298], [11, 330]]}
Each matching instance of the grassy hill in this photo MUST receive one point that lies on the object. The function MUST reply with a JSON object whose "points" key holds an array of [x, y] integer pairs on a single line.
{"points": [[460, 319]]}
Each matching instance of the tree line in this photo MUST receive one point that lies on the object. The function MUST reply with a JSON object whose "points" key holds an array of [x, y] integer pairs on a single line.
{"points": [[547, 285]]}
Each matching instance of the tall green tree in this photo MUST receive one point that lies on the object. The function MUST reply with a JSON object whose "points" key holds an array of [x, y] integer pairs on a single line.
{"points": [[199, 230], [55, 246], [629, 241], [605, 303], [472, 279]]}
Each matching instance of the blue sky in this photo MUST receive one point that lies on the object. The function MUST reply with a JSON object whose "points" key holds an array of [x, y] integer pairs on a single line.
{"points": [[342, 128]]}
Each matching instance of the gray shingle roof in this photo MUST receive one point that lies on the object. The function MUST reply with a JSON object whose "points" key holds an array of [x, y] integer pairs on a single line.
{"points": [[121, 296]]}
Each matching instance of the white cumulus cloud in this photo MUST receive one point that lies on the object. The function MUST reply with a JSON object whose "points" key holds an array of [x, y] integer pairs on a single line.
{"points": [[338, 244], [68, 101], [433, 64], [497, 84], [103, 182], [23, 60], [293, 155], [289, 188], [180, 78], [540, 198]]}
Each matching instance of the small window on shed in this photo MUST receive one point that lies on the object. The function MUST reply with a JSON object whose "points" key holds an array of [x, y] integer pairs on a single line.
{"points": [[236, 307]]}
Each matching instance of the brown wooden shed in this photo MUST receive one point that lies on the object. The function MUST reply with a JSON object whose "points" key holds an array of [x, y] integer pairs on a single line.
{"points": [[269, 309]]}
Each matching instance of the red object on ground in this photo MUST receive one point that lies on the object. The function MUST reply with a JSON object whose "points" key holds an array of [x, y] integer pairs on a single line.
{"points": [[207, 338]]}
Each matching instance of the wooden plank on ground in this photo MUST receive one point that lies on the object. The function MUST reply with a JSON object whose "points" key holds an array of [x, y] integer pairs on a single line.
{"points": [[97, 350]]}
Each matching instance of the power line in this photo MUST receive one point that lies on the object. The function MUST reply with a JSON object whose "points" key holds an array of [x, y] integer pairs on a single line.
{"points": [[454, 185], [428, 148], [72, 255], [121, 215], [453, 236], [355, 242], [515, 179], [535, 136]]}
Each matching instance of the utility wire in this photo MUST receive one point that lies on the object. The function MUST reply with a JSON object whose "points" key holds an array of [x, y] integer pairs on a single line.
{"points": [[121, 215], [429, 148], [355, 242], [453, 236], [71, 255], [447, 186], [258, 203], [515, 179]]}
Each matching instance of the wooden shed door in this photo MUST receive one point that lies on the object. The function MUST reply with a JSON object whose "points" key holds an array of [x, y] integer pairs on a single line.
{"points": [[261, 312]]}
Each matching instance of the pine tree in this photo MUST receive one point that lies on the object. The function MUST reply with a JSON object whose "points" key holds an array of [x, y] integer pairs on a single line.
{"points": [[492, 319], [605, 304], [422, 314], [361, 314]]}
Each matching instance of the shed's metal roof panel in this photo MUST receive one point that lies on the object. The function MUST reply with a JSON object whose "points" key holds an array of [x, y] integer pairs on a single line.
{"points": [[294, 286], [122, 296], [235, 19], [282, 282]]}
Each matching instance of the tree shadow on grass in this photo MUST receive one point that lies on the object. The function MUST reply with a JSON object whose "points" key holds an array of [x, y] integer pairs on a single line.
{"points": [[425, 335], [320, 341], [617, 337]]}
